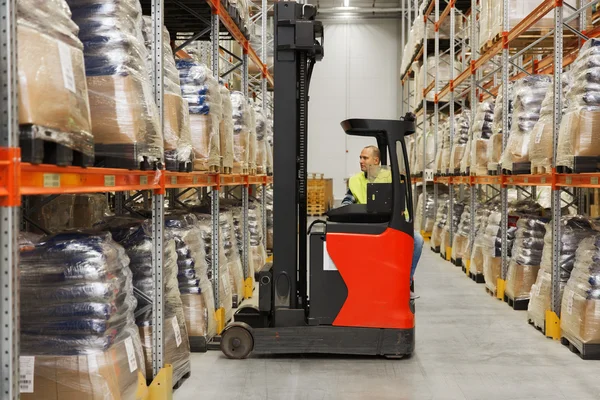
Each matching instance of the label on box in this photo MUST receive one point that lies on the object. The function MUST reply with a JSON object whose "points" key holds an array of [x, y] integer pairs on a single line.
{"points": [[26, 368], [66, 64], [538, 135], [570, 302], [176, 330], [130, 354]]}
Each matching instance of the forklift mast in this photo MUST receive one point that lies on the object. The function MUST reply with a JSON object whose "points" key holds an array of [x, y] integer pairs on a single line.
{"points": [[298, 46]]}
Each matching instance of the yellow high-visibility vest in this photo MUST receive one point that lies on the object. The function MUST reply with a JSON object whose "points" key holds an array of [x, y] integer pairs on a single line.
{"points": [[358, 184]]}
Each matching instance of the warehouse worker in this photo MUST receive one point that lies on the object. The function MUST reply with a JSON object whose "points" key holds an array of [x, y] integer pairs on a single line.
{"points": [[357, 193]]}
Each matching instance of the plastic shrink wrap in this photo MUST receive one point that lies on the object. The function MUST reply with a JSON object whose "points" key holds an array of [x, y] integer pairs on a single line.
{"points": [[429, 218], [441, 217], [495, 144], [241, 133], [226, 129], [78, 330], [457, 210], [444, 140], [541, 138], [526, 257], [528, 94], [88, 210], [479, 245], [443, 73], [418, 97], [573, 230], [53, 97], [460, 243], [192, 271], [577, 138], [460, 140], [261, 143], [269, 204], [485, 19], [429, 151], [481, 133], [580, 306], [125, 121], [176, 128], [136, 237], [203, 94]]}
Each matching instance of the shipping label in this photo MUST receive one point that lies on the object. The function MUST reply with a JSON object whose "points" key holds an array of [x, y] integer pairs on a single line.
{"points": [[26, 368], [176, 330], [66, 64], [130, 354]]}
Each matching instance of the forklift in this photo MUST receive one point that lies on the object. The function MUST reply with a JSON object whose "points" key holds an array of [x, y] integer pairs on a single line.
{"points": [[353, 295]]}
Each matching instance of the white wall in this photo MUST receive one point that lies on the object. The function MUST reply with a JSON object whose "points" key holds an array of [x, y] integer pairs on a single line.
{"points": [[357, 78]]}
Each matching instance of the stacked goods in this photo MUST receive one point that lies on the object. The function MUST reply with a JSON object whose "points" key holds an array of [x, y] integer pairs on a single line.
{"points": [[526, 257], [67, 211], [125, 120], [225, 289], [495, 143], [241, 132], [234, 261], [541, 152], [484, 22], [460, 140], [89, 209], [440, 166], [429, 214], [574, 229], [481, 131], [440, 222], [226, 130], [457, 210], [258, 254], [578, 143], [203, 95], [441, 66], [429, 162], [418, 97], [136, 237], [528, 94], [460, 244], [194, 286], [261, 143], [269, 204], [53, 97], [580, 316], [176, 127], [77, 319], [477, 249], [492, 249]]}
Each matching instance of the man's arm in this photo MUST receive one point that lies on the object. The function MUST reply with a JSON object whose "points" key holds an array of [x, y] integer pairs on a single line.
{"points": [[348, 198]]}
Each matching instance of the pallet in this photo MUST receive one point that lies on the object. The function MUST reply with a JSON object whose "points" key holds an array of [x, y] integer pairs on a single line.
{"points": [[540, 169], [541, 329], [581, 164], [35, 150], [523, 168], [583, 350], [464, 269], [198, 344], [436, 249], [177, 385], [518, 304], [226, 170], [124, 156], [477, 278], [490, 292], [489, 43], [252, 171], [172, 164], [457, 262]]}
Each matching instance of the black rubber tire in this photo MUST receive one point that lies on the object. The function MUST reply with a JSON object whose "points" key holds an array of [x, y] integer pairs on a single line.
{"points": [[237, 342]]}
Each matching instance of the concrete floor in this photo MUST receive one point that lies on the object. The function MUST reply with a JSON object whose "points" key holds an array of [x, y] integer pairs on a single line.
{"points": [[469, 346]]}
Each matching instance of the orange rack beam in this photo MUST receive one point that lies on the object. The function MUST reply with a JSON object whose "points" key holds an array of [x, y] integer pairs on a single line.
{"points": [[183, 180], [528, 180], [578, 180]]}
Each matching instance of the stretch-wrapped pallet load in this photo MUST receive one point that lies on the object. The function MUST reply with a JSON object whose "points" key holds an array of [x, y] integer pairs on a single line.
{"points": [[192, 272], [573, 230], [479, 245], [136, 237], [226, 131], [526, 257], [443, 69], [528, 95], [430, 151], [232, 252], [261, 143], [78, 334], [457, 210], [176, 128], [125, 120], [578, 141], [541, 151], [53, 94], [492, 249], [460, 243], [444, 139], [495, 143], [241, 133], [477, 161], [258, 254], [580, 306], [485, 18], [441, 217], [460, 140], [429, 217], [203, 94]]}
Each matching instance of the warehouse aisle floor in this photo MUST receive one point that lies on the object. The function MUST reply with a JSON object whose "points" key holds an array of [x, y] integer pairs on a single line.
{"points": [[469, 346]]}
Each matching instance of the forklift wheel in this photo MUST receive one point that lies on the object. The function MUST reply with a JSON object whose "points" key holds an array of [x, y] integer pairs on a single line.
{"points": [[237, 341]]}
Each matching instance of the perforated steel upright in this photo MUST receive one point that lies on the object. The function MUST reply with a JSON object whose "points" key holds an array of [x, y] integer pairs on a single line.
{"points": [[505, 116], [473, 103], [424, 129]]}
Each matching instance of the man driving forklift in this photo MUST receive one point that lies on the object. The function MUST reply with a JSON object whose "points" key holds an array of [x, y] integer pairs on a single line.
{"points": [[370, 157]]}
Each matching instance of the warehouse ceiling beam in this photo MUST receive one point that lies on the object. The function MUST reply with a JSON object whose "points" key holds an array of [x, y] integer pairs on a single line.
{"points": [[192, 12]]}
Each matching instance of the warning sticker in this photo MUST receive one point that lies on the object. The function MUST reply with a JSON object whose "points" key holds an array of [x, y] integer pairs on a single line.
{"points": [[177, 331], [26, 367], [130, 354]]}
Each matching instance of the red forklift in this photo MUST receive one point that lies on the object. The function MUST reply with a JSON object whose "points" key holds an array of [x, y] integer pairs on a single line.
{"points": [[350, 294]]}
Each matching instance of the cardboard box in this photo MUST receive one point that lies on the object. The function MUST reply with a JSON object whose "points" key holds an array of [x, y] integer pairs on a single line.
{"points": [[195, 313], [519, 280], [52, 85], [205, 141], [176, 120], [492, 269], [88, 210], [477, 260], [580, 318]]}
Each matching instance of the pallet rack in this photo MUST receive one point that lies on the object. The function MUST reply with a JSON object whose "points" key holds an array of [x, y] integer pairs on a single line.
{"points": [[548, 53], [207, 20]]}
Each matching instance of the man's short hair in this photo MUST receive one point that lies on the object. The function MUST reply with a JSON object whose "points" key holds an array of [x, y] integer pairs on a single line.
{"points": [[374, 150]]}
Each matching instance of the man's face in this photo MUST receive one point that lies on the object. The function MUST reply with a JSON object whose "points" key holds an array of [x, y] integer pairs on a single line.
{"points": [[366, 159]]}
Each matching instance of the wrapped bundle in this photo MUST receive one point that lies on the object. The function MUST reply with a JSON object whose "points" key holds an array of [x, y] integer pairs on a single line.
{"points": [[226, 130], [495, 144], [429, 218], [526, 257], [485, 18], [77, 318], [52, 216], [176, 128], [441, 165], [202, 92], [457, 210], [232, 252], [429, 151], [261, 143], [88, 210], [442, 65], [580, 306], [528, 95], [477, 249], [136, 237], [441, 218], [492, 249], [481, 131], [460, 140], [460, 244], [541, 152], [418, 97], [53, 97], [574, 229], [125, 123], [258, 254], [241, 133]]}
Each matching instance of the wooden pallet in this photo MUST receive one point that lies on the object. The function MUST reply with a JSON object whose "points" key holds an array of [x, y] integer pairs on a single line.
{"points": [[319, 194], [540, 169]]}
